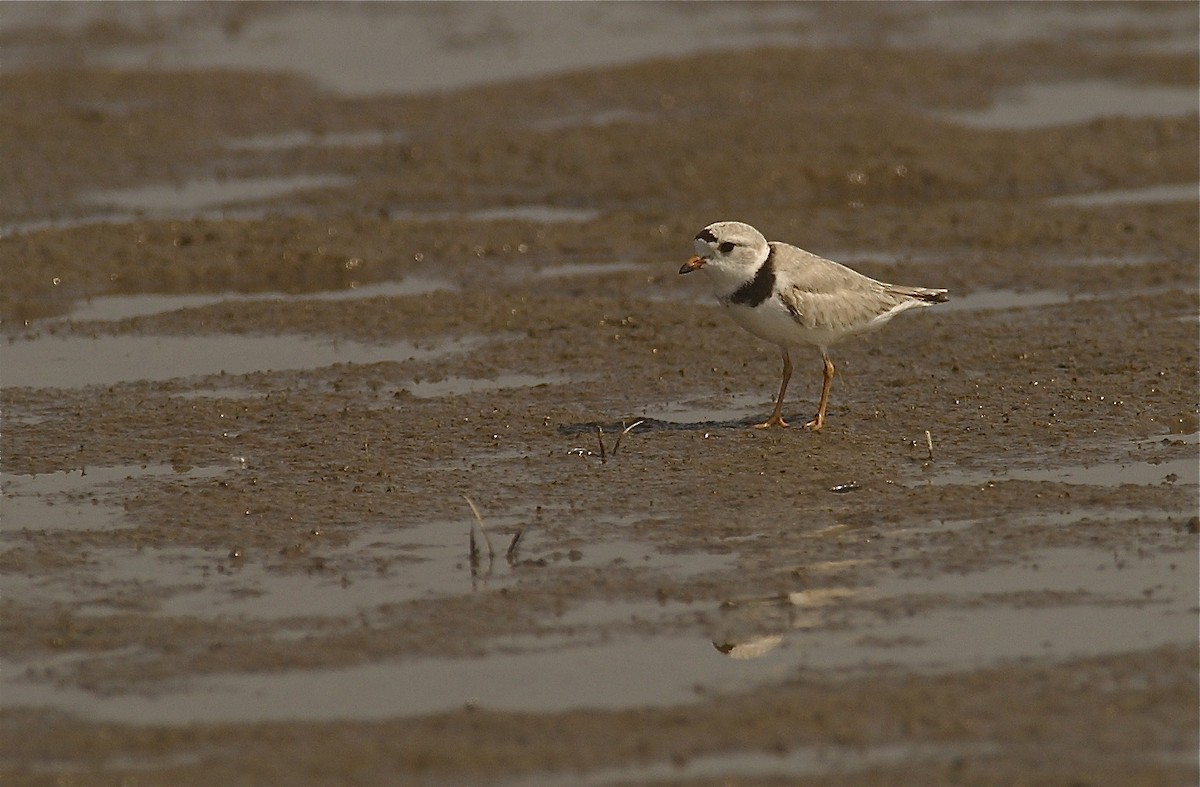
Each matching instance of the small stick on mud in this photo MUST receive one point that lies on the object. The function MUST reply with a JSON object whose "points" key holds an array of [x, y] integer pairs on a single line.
{"points": [[626, 431], [483, 530], [929, 442], [511, 554], [600, 440], [473, 551]]}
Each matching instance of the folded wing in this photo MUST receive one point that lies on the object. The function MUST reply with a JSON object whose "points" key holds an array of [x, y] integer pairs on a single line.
{"points": [[823, 295]]}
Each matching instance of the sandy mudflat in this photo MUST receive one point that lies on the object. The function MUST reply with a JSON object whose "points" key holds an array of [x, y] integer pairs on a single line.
{"points": [[264, 331]]}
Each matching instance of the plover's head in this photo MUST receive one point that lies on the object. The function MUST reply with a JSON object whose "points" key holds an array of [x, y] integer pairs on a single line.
{"points": [[728, 250]]}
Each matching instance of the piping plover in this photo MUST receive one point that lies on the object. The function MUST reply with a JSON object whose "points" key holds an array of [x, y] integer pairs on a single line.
{"points": [[790, 297]]}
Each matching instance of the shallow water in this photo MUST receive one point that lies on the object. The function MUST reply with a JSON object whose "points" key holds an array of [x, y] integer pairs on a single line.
{"points": [[122, 307], [1167, 192], [1040, 105], [1096, 601], [727, 409], [1182, 470], [96, 216], [1006, 299], [208, 198], [458, 386], [75, 361], [184, 199], [622, 674], [1112, 604], [1121, 603], [426, 47], [807, 760], [292, 140], [416, 47], [75, 499], [536, 213]]}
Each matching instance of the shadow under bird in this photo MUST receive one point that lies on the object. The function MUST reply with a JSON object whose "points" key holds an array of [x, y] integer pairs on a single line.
{"points": [[790, 297]]}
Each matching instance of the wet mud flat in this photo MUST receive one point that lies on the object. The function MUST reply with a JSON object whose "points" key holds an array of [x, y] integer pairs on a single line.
{"points": [[252, 375]]}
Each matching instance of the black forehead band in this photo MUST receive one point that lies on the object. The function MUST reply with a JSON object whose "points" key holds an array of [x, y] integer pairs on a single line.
{"points": [[706, 235]]}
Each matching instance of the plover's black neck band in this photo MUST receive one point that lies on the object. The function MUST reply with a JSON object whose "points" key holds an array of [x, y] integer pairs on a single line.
{"points": [[758, 289]]}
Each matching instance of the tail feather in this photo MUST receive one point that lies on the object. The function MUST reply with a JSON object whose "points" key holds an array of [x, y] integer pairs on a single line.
{"points": [[926, 294]]}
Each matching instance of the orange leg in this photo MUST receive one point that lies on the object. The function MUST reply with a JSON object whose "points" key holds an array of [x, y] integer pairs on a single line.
{"points": [[776, 418], [816, 423]]}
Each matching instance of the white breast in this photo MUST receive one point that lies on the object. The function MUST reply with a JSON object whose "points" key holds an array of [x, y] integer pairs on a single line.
{"points": [[772, 322]]}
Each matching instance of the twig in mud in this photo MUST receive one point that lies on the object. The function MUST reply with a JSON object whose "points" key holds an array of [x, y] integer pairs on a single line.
{"points": [[929, 442], [624, 432], [600, 440], [511, 554], [483, 530]]}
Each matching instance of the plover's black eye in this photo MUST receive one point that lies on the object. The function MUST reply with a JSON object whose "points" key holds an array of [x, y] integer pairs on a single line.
{"points": [[726, 247]]}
